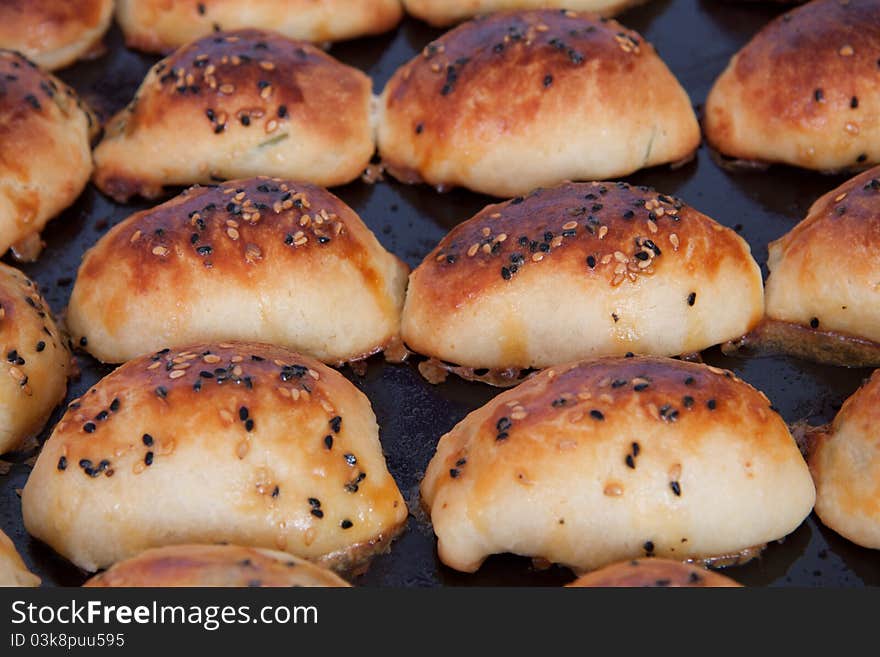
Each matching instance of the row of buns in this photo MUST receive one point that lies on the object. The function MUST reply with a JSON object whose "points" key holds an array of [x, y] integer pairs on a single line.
{"points": [[289, 449], [586, 465], [487, 106], [56, 34], [506, 292]]}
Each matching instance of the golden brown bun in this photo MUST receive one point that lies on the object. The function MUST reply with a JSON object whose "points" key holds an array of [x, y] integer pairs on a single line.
{"points": [[584, 270], [261, 259], [242, 443], [589, 464], [447, 12], [45, 151], [35, 360], [653, 573], [810, 284], [13, 571], [236, 105], [845, 462], [54, 33], [804, 90], [162, 25], [520, 100], [214, 565]]}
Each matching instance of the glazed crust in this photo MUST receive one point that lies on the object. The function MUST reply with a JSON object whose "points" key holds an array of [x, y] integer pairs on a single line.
{"points": [[639, 573], [51, 33], [162, 25], [447, 12], [45, 152], [242, 443], [489, 105], [581, 270], [34, 356], [804, 91], [589, 464], [261, 259], [845, 462], [13, 571], [212, 566], [809, 283], [235, 105]]}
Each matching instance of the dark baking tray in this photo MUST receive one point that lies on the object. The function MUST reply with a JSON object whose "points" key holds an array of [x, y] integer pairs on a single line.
{"points": [[696, 38]]}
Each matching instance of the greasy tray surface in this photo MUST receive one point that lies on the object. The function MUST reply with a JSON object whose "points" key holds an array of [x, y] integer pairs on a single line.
{"points": [[696, 38]]}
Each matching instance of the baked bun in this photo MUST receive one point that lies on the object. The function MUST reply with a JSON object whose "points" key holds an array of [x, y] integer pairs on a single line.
{"points": [[214, 565], [810, 286], [639, 573], [160, 25], [581, 270], [592, 463], [35, 359], [519, 100], [13, 571], [45, 151], [804, 90], [845, 462], [242, 443], [54, 33], [235, 105], [442, 13], [262, 259]]}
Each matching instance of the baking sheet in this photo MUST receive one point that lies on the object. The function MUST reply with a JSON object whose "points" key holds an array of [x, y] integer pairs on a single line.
{"points": [[696, 38]]}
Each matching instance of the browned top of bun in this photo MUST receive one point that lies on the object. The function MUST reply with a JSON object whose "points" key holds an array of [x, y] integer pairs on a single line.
{"points": [[687, 394], [217, 74], [232, 228], [841, 41], [561, 42], [610, 231], [843, 224], [653, 573]]}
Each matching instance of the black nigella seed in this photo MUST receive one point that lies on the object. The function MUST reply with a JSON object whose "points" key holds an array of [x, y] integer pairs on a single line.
{"points": [[649, 547], [114, 405], [336, 424], [712, 404], [597, 415], [62, 463], [630, 461], [89, 427], [147, 440], [103, 415], [692, 298], [676, 488], [503, 424], [243, 413], [85, 464], [314, 502], [688, 401], [689, 381], [282, 111], [40, 346], [818, 95], [162, 392], [640, 387], [317, 513], [328, 442], [814, 323], [591, 262], [148, 459], [351, 459], [83, 341], [249, 425], [346, 524], [454, 472], [548, 80]]}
